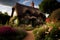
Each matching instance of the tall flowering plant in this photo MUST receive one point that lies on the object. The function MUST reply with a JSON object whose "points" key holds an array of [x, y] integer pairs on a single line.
{"points": [[53, 31], [8, 33], [49, 31]]}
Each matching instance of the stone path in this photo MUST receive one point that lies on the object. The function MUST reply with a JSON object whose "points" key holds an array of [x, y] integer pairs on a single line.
{"points": [[30, 36]]}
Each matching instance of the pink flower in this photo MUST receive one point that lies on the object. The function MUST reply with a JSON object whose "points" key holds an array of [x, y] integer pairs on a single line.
{"points": [[4, 30], [50, 28]]}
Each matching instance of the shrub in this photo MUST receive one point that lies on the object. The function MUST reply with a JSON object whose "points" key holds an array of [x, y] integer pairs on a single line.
{"points": [[54, 34], [8, 33], [29, 27], [39, 33], [55, 15], [57, 24], [0, 24], [35, 31], [49, 32]]}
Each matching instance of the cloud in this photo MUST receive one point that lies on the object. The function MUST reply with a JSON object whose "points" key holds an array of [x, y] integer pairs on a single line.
{"points": [[36, 6], [8, 2], [7, 9], [26, 1]]}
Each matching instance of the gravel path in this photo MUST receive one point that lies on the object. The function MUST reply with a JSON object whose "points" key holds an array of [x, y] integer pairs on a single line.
{"points": [[30, 36]]}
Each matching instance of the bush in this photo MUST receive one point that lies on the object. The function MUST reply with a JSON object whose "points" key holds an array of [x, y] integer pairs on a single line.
{"points": [[48, 32], [55, 15], [54, 34], [8, 33], [0, 24], [29, 27], [39, 33], [35, 31]]}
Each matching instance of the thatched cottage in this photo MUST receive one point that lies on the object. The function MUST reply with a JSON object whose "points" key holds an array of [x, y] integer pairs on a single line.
{"points": [[28, 14]]}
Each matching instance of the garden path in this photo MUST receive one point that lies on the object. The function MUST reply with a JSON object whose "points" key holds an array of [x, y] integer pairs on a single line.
{"points": [[30, 36]]}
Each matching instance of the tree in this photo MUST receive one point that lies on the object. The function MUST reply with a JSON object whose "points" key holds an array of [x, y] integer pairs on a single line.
{"points": [[47, 6], [55, 15], [4, 18], [6, 13], [0, 12]]}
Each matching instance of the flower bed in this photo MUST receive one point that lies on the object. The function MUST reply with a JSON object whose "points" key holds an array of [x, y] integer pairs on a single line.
{"points": [[8, 33], [50, 31]]}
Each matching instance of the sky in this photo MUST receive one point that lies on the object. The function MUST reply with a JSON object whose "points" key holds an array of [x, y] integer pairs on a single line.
{"points": [[6, 5]]}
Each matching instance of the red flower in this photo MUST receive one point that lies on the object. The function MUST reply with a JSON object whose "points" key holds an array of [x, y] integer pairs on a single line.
{"points": [[47, 19]]}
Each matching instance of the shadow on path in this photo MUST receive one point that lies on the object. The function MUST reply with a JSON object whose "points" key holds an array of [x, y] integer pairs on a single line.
{"points": [[30, 36]]}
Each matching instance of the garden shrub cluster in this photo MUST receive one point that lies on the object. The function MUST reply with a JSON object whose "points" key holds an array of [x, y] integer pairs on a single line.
{"points": [[39, 33], [49, 31], [8, 33], [55, 15], [4, 18], [29, 27]]}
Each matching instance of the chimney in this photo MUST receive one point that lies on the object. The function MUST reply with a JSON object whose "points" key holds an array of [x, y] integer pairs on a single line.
{"points": [[12, 12], [32, 4]]}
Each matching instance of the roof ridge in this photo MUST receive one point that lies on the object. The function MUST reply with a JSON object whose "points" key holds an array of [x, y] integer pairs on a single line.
{"points": [[26, 6]]}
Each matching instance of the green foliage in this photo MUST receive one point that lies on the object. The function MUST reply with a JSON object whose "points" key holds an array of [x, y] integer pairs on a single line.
{"points": [[14, 21], [39, 33], [0, 24], [36, 35], [21, 34], [54, 34], [55, 15], [28, 28], [4, 18], [49, 5], [5, 13], [57, 24]]}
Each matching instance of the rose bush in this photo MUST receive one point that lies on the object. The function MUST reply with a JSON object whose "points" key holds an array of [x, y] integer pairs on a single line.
{"points": [[50, 31], [8, 33]]}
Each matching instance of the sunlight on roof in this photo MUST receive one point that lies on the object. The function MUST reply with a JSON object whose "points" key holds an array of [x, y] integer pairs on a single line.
{"points": [[47, 15], [16, 21], [15, 14]]}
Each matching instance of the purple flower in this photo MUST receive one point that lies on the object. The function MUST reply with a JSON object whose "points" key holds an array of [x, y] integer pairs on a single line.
{"points": [[7, 31]]}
